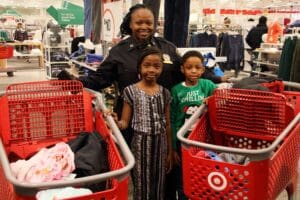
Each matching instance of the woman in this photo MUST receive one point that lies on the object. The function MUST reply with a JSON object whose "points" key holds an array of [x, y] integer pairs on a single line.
{"points": [[120, 64]]}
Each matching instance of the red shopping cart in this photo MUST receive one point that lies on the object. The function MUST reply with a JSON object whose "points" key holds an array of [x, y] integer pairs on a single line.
{"points": [[39, 114], [6, 52], [262, 127]]}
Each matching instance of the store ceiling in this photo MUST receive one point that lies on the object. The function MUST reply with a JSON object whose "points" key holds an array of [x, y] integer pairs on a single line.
{"points": [[36, 3], [244, 4]]}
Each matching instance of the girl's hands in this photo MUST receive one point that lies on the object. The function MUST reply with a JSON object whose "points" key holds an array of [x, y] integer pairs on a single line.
{"points": [[114, 116]]}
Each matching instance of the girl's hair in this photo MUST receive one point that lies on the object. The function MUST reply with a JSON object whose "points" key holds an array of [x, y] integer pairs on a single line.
{"points": [[125, 26], [192, 53], [146, 52]]}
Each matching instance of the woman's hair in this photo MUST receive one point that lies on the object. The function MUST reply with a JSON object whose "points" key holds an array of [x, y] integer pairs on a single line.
{"points": [[146, 52], [125, 26], [192, 53]]}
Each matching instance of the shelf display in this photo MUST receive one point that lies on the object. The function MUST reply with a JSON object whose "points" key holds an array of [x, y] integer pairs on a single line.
{"points": [[34, 49], [56, 59], [268, 57]]}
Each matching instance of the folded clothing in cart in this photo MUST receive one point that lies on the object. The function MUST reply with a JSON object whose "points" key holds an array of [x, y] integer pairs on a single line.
{"points": [[47, 165], [90, 157], [270, 84], [62, 193]]}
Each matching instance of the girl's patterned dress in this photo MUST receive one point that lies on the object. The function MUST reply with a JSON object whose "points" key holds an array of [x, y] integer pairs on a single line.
{"points": [[149, 144]]}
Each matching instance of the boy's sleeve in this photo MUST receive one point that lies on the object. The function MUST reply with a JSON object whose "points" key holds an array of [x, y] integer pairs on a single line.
{"points": [[174, 105], [211, 87]]}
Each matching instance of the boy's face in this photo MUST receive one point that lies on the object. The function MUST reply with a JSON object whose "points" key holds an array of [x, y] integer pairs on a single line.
{"points": [[192, 69]]}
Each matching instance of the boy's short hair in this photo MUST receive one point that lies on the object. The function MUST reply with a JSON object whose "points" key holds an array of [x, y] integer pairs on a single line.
{"points": [[192, 53], [146, 52]]}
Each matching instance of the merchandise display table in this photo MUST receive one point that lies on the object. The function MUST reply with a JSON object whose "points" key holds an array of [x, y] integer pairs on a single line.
{"points": [[36, 44]]}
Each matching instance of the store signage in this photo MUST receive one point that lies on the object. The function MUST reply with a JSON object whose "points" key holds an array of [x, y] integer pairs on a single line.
{"points": [[284, 11], [245, 11], [209, 11], [240, 12], [66, 16], [111, 21]]}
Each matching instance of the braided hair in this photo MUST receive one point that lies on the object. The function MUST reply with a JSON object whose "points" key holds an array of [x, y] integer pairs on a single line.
{"points": [[125, 26], [146, 52]]}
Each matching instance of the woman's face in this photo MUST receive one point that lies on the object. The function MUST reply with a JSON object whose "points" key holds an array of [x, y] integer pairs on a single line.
{"points": [[142, 24]]}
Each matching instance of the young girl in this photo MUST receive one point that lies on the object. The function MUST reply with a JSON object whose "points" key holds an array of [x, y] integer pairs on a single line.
{"points": [[147, 106], [186, 98]]}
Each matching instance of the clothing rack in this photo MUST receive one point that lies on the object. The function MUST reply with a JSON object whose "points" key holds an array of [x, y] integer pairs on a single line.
{"points": [[217, 28]]}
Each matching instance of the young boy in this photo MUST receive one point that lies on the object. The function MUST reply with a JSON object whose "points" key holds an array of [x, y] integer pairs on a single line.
{"points": [[187, 96]]}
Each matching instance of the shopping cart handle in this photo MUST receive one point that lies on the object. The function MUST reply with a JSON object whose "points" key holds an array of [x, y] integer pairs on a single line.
{"points": [[32, 188], [258, 154], [192, 120], [117, 135]]}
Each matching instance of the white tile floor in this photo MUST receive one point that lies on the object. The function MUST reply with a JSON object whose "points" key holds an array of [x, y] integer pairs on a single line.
{"points": [[40, 74], [22, 76]]}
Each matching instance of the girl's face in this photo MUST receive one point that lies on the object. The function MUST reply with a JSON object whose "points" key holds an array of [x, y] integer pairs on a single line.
{"points": [[192, 69], [142, 24], [151, 67]]}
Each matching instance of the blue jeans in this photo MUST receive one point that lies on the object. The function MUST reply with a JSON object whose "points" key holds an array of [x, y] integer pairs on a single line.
{"points": [[87, 4], [177, 14], [154, 5]]}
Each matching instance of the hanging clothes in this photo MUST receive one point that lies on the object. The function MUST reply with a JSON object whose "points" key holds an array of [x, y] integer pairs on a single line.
{"points": [[203, 40], [295, 67], [177, 14], [154, 5], [21, 35], [274, 32], [232, 47], [4, 35], [87, 5], [286, 58], [97, 21]]}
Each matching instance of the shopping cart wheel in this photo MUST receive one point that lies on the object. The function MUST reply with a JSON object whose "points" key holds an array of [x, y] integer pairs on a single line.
{"points": [[10, 74]]}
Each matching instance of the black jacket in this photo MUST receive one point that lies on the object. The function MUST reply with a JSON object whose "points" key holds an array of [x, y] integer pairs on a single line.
{"points": [[210, 75], [120, 65], [254, 36]]}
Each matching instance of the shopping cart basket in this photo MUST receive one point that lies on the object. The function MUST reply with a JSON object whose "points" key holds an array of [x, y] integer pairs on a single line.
{"points": [[39, 114], [259, 125], [6, 51]]}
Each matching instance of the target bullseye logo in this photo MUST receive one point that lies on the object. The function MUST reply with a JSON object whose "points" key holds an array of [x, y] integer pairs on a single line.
{"points": [[217, 181]]}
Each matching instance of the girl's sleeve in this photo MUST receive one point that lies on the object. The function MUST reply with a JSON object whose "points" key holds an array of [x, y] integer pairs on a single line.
{"points": [[127, 96], [168, 97], [173, 110]]}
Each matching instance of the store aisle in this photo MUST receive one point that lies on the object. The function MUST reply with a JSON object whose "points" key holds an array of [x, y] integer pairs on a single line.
{"points": [[40, 74], [22, 76]]}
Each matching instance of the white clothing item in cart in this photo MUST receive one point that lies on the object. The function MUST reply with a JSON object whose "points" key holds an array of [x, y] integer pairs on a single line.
{"points": [[47, 165], [62, 193]]}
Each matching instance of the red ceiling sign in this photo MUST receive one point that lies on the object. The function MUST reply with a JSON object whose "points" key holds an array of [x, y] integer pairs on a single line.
{"points": [[244, 11], [209, 11]]}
